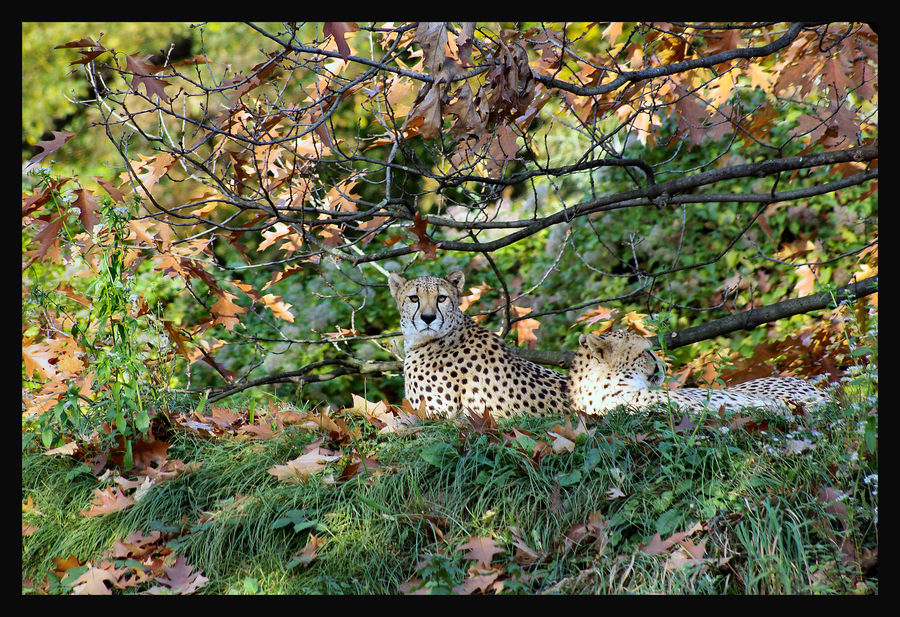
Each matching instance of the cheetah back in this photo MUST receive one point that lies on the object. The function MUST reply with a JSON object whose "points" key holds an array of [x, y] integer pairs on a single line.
{"points": [[615, 369]]}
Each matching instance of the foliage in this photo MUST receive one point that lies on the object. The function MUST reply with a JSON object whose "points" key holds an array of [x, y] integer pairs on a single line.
{"points": [[211, 210], [395, 503]]}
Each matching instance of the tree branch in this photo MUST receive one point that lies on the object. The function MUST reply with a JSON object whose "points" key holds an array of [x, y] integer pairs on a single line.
{"points": [[745, 320]]}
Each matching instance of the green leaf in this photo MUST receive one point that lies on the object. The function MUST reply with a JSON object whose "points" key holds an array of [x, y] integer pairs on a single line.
{"points": [[667, 521], [568, 479], [439, 454]]}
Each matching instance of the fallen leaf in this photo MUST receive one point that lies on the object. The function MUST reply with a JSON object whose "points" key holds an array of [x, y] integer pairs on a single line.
{"points": [[92, 582], [180, 578], [298, 469], [481, 549], [112, 499], [68, 449], [309, 552]]}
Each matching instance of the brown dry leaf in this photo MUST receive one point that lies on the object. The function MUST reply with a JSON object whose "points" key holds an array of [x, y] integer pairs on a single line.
{"points": [[279, 308], [561, 443], [225, 311], [432, 36], [657, 545], [143, 75], [338, 29], [481, 549], [137, 545], [424, 118], [112, 499], [179, 578], [49, 147], [424, 243], [92, 582], [309, 552], [298, 469], [87, 203], [524, 553], [480, 580], [572, 432]]}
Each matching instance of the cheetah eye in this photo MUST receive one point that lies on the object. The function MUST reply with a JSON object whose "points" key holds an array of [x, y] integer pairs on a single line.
{"points": [[441, 299], [414, 299]]}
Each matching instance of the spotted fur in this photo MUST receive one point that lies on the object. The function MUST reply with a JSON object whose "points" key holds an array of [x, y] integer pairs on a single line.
{"points": [[619, 368], [454, 364]]}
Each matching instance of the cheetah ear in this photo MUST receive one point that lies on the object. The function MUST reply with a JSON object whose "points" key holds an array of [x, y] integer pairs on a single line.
{"points": [[458, 280], [395, 282], [597, 345]]}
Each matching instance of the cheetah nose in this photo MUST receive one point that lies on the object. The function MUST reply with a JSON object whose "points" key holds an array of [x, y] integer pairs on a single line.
{"points": [[428, 318]]}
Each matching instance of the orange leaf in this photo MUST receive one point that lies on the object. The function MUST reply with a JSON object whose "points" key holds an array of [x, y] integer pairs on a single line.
{"points": [[424, 243], [37, 358], [525, 327], [226, 312]]}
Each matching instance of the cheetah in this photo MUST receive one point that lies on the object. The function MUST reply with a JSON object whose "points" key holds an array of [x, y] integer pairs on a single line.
{"points": [[619, 368], [456, 365]]}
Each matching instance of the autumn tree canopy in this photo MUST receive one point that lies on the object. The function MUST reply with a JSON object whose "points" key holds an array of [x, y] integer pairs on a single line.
{"points": [[580, 173]]}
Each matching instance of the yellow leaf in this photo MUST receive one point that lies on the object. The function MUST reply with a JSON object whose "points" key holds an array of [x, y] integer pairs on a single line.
{"points": [[279, 308]]}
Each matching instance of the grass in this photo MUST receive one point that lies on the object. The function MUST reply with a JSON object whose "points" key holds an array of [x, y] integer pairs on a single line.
{"points": [[764, 526]]}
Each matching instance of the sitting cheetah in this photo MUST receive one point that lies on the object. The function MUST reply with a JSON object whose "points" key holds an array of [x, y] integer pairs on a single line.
{"points": [[455, 364], [619, 368]]}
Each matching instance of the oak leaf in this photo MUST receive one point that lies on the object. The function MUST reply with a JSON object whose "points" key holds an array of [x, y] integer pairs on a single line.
{"points": [[432, 36], [525, 327], [37, 360], [338, 29], [298, 469], [480, 580], [112, 499], [481, 549], [49, 147], [92, 582], [424, 243], [142, 74], [179, 578], [657, 545], [424, 118], [279, 308], [88, 205], [226, 312]]}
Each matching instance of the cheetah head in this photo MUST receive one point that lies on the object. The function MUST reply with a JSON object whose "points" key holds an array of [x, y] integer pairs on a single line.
{"points": [[625, 354], [428, 305]]}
